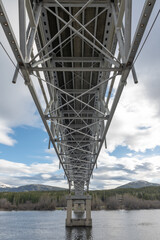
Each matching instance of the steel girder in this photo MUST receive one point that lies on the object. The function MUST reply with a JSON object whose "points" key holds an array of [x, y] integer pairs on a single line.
{"points": [[71, 47]]}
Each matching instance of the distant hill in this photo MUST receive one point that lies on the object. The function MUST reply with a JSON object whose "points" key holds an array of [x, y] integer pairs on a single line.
{"points": [[28, 188], [40, 187], [139, 184]]}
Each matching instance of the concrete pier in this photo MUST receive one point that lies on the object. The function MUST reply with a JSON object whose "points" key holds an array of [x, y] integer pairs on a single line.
{"points": [[80, 204], [69, 212]]}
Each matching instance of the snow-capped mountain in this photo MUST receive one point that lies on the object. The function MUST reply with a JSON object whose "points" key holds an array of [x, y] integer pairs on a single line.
{"points": [[2, 185]]}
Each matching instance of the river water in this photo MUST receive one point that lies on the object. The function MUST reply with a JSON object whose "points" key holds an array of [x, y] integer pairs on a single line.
{"points": [[107, 225]]}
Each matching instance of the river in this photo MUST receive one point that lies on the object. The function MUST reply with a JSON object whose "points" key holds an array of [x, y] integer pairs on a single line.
{"points": [[107, 225]]}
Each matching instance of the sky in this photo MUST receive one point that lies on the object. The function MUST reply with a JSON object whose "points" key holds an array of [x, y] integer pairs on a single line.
{"points": [[133, 139]]}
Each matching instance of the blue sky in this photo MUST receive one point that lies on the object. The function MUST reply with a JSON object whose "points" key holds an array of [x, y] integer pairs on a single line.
{"points": [[133, 139], [30, 144]]}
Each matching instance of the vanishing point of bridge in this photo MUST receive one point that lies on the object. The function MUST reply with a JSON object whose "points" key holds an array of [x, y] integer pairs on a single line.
{"points": [[80, 53]]}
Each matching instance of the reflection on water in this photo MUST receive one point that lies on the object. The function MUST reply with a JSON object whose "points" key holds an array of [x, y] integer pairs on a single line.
{"points": [[78, 233]]}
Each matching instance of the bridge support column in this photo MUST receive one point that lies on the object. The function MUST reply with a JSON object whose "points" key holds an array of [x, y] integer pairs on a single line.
{"points": [[88, 212], [82, 211], [69, 212]]}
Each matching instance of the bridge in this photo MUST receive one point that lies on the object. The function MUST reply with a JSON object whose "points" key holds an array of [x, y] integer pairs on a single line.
{"points": [[80, 53]]}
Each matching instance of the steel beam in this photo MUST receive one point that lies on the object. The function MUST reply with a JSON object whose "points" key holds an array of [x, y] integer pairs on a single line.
{"points": [[105, 52], [33, 31], [78, 59], [142, 24], [76, 118], [88, 32], [76, 98], [86, 92], [30, 14], [73, 35], [22, 27], [79, 91], [74, 69], [128, 26], [63, 28]]}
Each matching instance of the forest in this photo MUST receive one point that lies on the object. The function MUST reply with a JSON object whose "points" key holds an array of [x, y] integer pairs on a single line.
{"points": [[143, 198]]}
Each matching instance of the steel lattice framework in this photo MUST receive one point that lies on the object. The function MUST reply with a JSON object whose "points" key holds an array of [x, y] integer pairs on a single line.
{"points": [[81, 53]]}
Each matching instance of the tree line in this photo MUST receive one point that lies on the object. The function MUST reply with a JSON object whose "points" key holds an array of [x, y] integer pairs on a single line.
{"points": [[143, 198], [33, 200]]}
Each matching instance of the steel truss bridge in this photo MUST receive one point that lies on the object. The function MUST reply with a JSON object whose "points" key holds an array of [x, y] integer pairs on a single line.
{"points": [[80, 53]]}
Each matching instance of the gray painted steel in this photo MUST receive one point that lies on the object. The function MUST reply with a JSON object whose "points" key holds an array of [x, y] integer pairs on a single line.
{"points": [[71, 47]]}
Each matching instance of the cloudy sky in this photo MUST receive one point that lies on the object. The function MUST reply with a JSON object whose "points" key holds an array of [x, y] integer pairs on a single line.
{"points": [[133, 139]]}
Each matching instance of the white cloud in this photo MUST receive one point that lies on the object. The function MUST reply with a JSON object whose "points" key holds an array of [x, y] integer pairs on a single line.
{"points": [[15, 173], [44, 168], [113, 171], [129, 154], [136, 120], [10, 168], [46, 176], [16, 106], [5, 133], [50, 151]]}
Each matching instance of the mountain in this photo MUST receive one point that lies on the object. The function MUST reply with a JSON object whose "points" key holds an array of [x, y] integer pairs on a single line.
{"points": [[28, 188], [2, 185], [40, 187], [139, 184]]}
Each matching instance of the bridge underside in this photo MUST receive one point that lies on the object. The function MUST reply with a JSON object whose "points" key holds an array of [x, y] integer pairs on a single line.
{"points": [[82, 32], [80, 53]]}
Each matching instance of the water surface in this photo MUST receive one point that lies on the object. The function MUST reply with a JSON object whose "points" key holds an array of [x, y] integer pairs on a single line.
{"points": [[50, 225]]}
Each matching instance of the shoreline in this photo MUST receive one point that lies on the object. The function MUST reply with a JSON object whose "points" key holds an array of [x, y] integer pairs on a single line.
{"points": [[64, 209]]}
